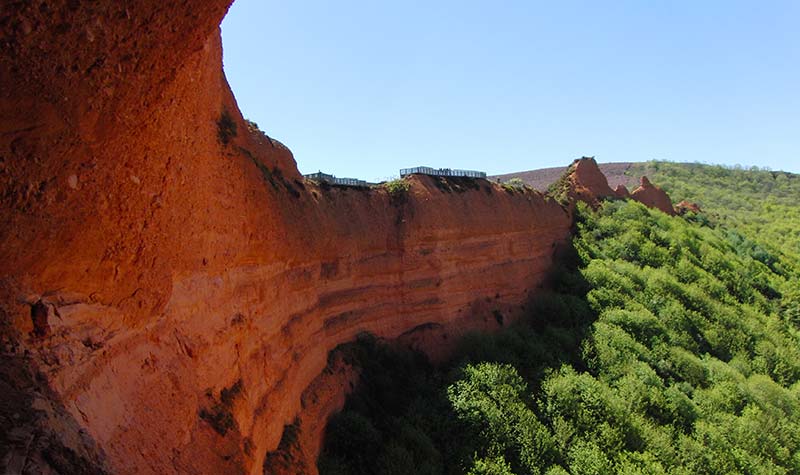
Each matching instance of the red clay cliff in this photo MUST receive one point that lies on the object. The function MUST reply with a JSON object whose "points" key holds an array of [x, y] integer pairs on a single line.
{"points": [[171, 287]]}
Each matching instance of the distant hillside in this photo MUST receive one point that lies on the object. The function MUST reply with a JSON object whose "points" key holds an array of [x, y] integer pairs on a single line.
{"points": [[541, 179], [761, 204]]}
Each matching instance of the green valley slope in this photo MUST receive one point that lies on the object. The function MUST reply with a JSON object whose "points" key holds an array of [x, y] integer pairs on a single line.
{"points": [[763, 204]]}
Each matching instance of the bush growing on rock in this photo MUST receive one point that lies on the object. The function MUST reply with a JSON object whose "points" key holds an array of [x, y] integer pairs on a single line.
{"points": [[396, 187], [226, 127]]}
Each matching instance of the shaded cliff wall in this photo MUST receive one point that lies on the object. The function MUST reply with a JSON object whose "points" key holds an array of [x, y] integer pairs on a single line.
{"points": [[187, 285]]}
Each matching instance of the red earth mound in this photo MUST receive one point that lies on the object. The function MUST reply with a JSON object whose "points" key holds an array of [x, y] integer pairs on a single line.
{"points": [[652, 196]]}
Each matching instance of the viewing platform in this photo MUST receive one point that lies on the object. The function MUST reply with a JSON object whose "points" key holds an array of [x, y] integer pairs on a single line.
{"points": [[442, 172]]}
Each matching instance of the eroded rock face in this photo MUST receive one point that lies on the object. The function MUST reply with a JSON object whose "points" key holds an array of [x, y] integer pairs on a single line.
{"points": [[652, 196], [587, 175], [621, 191], [587, 182], [176, 283]]}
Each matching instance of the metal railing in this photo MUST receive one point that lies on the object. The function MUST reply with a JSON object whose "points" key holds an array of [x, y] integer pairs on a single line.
{"points": [[333, 180], [442, 172]]}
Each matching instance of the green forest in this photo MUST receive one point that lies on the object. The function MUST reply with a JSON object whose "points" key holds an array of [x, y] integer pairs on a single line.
{"points": [[665, 345], [761, 203]]}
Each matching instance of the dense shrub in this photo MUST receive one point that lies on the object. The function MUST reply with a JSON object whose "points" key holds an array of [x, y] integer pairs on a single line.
{"points": [[396, 187], [226, 127]]}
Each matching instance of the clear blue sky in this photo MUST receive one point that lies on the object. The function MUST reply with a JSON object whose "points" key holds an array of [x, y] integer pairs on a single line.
{"points": [[363, 88]]}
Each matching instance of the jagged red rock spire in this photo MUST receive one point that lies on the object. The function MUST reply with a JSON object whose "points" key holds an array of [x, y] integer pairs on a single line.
{"points": [[584, 181], [621, 191], [652, 196]]}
